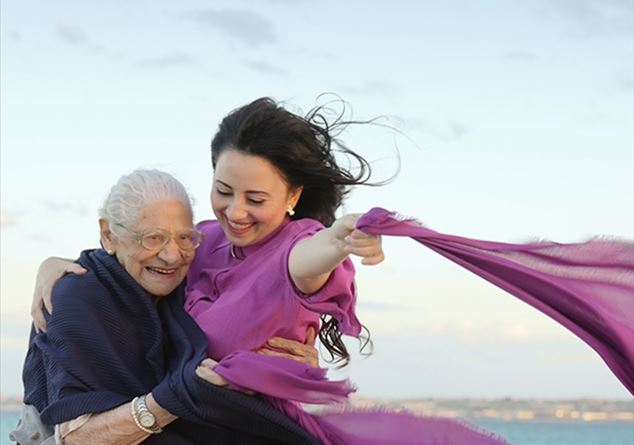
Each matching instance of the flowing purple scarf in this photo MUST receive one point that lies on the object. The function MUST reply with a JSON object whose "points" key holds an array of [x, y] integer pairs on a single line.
{"points": [[587, 287]]}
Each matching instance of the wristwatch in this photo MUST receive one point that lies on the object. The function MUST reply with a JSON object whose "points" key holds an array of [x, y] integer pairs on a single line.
{"points": [[143, 417]]}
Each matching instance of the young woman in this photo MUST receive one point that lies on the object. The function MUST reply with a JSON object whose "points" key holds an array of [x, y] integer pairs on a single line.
{"points": [[275, 261]]}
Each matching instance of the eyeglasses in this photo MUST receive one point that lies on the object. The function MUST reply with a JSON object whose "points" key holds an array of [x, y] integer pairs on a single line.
{"points": [[156, 239]]}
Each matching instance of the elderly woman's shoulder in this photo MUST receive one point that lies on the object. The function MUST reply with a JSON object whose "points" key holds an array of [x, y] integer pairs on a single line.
{"points": [[82, 289]]}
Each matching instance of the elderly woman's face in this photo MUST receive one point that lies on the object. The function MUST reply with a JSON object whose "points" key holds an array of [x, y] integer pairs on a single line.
{"points": [[158, 271]]}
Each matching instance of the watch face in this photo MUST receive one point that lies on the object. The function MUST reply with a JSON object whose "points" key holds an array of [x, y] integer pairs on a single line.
{"points": [[146, 419]]}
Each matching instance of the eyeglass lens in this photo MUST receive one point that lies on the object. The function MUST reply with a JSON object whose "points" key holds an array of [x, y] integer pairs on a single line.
{"points": [[158, 239]]}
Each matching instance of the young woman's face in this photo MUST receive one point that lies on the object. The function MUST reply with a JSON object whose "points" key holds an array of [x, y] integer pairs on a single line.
{"points": [[249, 197]]}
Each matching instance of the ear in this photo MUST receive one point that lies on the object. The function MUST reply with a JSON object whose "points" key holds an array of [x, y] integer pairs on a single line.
{"points": [[107, 238], [294, 196]]}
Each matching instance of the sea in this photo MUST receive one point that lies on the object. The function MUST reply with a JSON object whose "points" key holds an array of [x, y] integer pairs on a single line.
{"points": [[517, 433]]}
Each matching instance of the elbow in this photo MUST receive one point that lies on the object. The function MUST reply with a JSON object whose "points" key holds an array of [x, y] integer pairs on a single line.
{"points": [[310, 285]]}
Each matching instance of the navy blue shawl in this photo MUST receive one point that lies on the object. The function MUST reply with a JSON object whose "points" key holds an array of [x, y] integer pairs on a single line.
{"points": [[107, 342]]}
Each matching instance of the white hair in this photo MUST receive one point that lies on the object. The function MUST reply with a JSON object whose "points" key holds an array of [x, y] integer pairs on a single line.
{"points": [[134, 191]]}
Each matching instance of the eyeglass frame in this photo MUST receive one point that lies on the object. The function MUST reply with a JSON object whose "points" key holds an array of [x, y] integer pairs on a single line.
{"points": [[139, 236]]}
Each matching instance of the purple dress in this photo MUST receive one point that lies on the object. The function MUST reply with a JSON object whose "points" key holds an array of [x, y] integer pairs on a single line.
{"points": [[242, 302]]}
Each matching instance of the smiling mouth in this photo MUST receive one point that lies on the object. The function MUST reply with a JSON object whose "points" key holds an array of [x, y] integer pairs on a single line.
{"points": [[238, 228], [161, 270]]}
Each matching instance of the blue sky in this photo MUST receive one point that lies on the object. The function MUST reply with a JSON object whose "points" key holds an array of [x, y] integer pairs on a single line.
{"points": [[516, 123]]}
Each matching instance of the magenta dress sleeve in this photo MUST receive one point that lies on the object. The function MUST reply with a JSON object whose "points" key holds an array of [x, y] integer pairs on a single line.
{"points": [[338, 298]]}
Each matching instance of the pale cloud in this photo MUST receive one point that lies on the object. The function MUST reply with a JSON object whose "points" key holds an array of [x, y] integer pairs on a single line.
{"points": [[418, 319], [40, 238], [593, 18], [565, 357], [517, 332], [266, 68], [448, 131], [471, 331], [6, 219], [16, 288], [246, 27], [14, 341], [625, 82], [383, 306], [64, 207], [371, 87], [175, 59], [520, 56], [14, 36], [73, 35], [285, 2], [49, 207]]}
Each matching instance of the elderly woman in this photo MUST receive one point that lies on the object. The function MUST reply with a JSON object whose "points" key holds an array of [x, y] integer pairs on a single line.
{"points": [[118, 362]]}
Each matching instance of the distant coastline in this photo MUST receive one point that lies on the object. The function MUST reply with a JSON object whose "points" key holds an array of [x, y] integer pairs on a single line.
{"points": [[505, 409], [514, 409]]}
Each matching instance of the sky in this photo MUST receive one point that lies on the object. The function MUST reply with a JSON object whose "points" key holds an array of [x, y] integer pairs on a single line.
{"points": [[512, 121]]}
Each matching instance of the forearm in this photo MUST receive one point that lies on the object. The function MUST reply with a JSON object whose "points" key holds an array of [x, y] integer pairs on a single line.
{"points": [[49, 272], [114, 427], [313, 259]]}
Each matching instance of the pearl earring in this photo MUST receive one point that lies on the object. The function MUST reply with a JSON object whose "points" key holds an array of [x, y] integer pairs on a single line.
{"points": [[110, 252], [290, 210]]}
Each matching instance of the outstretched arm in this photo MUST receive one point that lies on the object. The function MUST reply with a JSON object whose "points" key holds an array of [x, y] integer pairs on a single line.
{"points": [[313, 259]]}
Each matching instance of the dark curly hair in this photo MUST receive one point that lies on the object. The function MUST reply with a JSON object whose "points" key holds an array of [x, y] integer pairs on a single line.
{"points": [[303, 150]]}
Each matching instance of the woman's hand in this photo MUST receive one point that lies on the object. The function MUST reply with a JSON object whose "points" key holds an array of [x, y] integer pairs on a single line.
{"points": [[205, 370], [301, 352], [355, 242], [51, 270], [312, 259]]}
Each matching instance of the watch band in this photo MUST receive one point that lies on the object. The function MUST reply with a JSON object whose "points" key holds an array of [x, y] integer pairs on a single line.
{"points": [[143, 417]]}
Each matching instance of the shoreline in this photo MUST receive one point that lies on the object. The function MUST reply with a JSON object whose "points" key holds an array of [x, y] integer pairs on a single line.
{"points": [[583, 410]]}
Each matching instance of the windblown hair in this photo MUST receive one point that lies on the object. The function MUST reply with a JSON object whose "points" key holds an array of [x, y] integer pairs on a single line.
{"points": [[134, 191], [303, 150]]}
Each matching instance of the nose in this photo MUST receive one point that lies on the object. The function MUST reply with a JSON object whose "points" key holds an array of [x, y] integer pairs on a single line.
{"points": [[236, 210], [170, 253]]}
